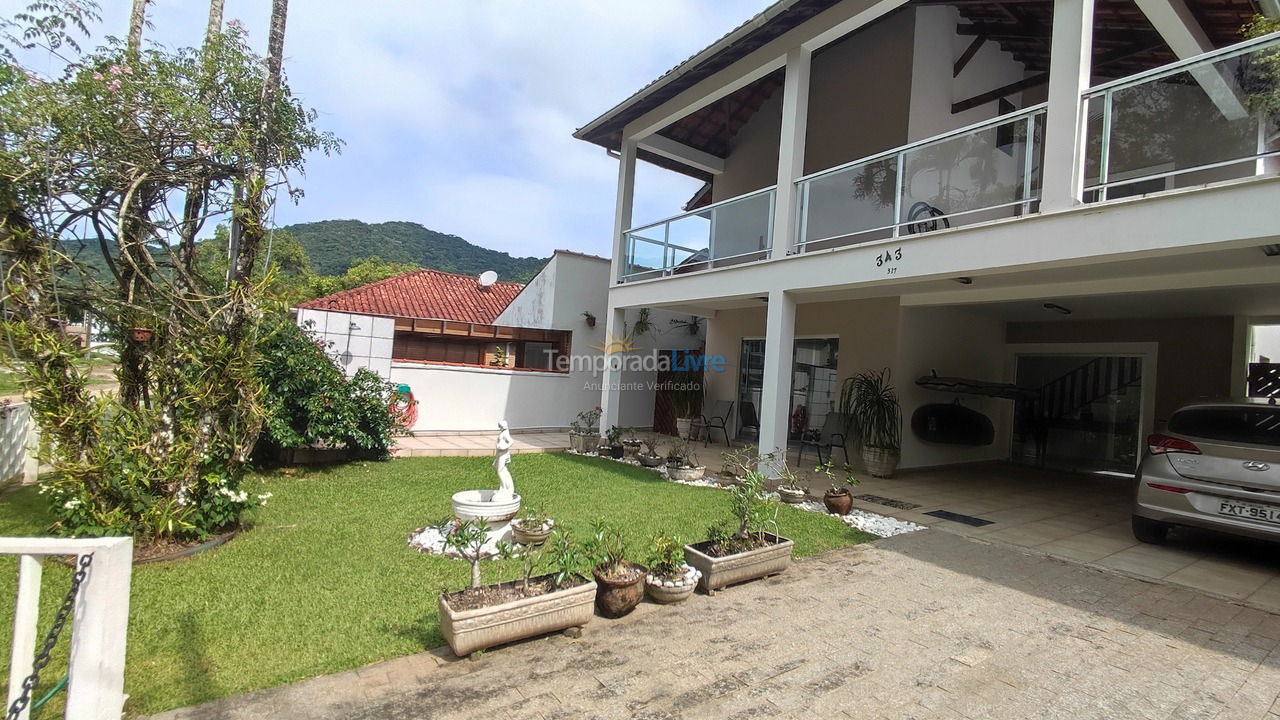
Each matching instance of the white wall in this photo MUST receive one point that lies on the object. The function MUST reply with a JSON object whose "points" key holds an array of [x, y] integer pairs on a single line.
{"points": [[956, 343], [466, 399], [353, 341], [17, 444]]}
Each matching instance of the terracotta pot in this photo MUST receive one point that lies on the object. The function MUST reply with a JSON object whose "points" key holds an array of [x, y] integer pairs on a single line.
{"points": [[791, 496], [651, 461], [536, 536], [615, 598], [665, 592], [880, 462], [718, 572], [838, 503], [616, 451], [469, 630], [686, 474]]}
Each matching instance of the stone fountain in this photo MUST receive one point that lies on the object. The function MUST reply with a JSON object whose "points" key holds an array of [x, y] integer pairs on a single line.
{"points": [[495, 508]]}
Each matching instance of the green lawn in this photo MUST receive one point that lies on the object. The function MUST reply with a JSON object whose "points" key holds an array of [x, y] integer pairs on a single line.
{"points": [[325, 581]]}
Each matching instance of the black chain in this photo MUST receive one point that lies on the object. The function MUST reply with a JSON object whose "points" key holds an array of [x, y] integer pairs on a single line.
{"points": [[50, 639]]}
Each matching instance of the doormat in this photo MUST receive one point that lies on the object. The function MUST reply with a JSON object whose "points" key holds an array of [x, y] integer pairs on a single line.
{"points": [[957, 517], [887, 502]]}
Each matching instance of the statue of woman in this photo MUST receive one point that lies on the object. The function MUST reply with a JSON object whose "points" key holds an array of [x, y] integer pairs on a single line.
{"points": [[502, 458]]}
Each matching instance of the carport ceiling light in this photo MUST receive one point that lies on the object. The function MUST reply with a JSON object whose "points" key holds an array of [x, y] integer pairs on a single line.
{"points": [[1055, 307], [1271, 250]]}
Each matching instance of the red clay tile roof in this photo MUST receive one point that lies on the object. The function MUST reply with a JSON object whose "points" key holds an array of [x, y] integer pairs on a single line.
{"points": [[423, 294]]}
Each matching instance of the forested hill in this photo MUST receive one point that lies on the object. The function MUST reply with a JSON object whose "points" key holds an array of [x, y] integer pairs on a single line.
{"points": [[335, 245]]}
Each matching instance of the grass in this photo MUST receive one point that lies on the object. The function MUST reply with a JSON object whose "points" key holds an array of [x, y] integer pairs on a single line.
{"points": [[325, 581]]}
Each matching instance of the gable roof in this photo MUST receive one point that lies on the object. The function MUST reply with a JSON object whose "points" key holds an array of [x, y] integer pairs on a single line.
{"points": [[425, 295]]}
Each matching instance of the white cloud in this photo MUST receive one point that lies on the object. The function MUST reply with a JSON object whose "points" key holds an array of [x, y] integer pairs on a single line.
{"points": [[458, 114]]}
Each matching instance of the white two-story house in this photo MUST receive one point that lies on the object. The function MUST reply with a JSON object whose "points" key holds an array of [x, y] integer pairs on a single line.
{"points": [[1074, 199]]}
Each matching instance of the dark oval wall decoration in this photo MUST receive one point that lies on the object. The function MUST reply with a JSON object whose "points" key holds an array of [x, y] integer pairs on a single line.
{"points": [[952, 424]]}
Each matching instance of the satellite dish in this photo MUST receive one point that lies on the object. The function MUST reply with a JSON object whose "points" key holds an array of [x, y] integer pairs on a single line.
{"points": [[487, 278]]}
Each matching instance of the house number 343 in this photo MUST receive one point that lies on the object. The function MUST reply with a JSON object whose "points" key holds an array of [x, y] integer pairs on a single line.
{"points": [[887, 259]]}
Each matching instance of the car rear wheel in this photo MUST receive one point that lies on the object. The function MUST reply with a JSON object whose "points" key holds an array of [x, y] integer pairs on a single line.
{"points": [[1150, 531]]}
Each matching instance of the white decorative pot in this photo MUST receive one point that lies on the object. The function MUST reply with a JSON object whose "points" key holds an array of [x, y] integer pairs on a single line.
{"points": [[717, 572], [791, 496], [664, 591], [469, 630], [651, 461], [534, 536], [880, 462], [682, 427]]}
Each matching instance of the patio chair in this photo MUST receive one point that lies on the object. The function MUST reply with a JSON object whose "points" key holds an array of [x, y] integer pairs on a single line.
{"points": [[749, 419], [717, 420], [831, 436]]}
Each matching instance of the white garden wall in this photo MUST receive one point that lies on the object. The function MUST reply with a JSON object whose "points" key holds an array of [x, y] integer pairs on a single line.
{"points": [[18, 437], [354, 341]]}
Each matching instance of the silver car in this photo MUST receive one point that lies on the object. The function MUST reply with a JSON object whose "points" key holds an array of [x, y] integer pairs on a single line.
{"points": [[1217, 466]]}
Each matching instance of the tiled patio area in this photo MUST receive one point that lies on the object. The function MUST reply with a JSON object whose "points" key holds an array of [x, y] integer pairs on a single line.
{"points": [[468, 445], [1081, 518]]}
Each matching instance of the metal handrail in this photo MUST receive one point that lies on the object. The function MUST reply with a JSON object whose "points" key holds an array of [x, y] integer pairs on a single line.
{"points": [[702, 209], [993, 122], [1180, 66]]}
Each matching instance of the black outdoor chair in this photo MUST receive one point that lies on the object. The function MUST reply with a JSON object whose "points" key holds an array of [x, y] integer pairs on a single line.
{"points": [[749, 419], [717, 420], [831, 436]]}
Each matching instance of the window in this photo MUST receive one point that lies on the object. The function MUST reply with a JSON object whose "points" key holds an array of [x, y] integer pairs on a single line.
{"points": [[1236, 424], [455, 343]]}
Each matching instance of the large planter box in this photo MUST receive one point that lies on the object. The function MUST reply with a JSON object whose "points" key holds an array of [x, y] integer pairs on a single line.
{"points": [[469, 630], [718, 572]]}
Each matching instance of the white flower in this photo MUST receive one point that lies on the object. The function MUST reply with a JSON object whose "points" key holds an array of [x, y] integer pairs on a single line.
{"points": [[72, 504]]}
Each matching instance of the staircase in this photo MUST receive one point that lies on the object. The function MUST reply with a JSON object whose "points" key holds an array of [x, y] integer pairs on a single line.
{"points": [[1065, 396]]}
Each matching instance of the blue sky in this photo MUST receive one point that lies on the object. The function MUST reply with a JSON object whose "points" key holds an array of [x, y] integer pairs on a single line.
{"points": [[458, 114]]}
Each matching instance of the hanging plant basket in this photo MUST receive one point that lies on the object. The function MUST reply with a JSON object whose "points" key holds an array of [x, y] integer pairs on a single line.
{"points": [[141, 334]]}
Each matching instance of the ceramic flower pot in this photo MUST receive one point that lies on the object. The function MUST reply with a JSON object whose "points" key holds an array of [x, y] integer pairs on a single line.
{"points": [[578, 442], [617, 596], [686, 474], [616, 451], [667, 591], [630, 450], [719, 571], [531, 536], [838, 503], [682, 427], [651, 461], [880, 462], [792, 496]]}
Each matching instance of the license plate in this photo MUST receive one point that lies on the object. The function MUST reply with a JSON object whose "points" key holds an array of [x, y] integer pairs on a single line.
{"points": [[1249, 511]]}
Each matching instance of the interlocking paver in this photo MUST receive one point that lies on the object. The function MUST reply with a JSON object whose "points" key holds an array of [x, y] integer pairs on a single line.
{"points": [[926, 625]]}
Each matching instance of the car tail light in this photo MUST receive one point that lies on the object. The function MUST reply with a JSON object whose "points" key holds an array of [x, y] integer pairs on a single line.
{"points": [[1169, 488], [1159, 444]]}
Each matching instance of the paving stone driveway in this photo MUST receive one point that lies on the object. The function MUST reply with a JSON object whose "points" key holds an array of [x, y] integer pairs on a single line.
{"points": [[921, 625]]}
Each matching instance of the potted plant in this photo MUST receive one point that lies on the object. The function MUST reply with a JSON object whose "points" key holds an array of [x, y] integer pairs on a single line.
{"points": [[649, 455], [670, 578], [613, 441], [630, 444], [482, 616], [682, 463], [791, 487], [686, 402], [872, 404], [582, 431], [837, 499], [619, 581], [735, 459], [590, 318], [750, 551], [531, 526]]}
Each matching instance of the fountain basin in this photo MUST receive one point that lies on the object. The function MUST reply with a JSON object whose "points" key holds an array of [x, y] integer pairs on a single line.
{"points": [[482, 505]]}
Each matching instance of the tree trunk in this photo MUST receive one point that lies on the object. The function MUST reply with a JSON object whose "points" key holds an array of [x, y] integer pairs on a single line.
{"points": [[137, 19], [475, 571], [215, 18]]}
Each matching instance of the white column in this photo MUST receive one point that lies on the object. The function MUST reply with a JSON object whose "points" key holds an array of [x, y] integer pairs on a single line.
{"points": [[1069, 63], [96, 688], [623, 207], [611, 378], [26, 613], [775, 396], [795, 122]]}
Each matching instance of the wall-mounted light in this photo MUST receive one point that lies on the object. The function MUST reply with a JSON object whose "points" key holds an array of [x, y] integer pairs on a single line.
{"points": [[1271, 250], [1055, 307], [964, 280]]}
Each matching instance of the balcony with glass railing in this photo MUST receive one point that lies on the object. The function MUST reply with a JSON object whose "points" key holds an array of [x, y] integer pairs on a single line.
{"points": [[731, 232], [1203, 120], [986, 171]]}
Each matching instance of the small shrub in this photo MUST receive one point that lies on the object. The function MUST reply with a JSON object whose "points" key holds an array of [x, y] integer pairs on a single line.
{"points": [[666, 556]]}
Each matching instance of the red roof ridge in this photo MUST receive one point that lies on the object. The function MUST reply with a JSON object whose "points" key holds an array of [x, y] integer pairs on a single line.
{"points": [[422, 293]]}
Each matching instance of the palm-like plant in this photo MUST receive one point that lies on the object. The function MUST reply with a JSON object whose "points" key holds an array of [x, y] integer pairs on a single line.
{"points": [[871, 403]]}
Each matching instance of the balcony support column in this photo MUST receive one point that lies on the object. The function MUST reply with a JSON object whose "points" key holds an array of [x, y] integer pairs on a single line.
{"points": [[625, 202], [795, 123], [611, 377], [775, 395], [1070, 57]]}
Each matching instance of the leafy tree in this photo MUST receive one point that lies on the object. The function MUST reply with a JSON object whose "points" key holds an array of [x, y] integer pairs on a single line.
{"points": [[365, 271]]}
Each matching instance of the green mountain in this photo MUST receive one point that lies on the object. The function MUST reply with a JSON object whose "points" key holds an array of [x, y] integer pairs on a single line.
{"points": [[335, 245]]}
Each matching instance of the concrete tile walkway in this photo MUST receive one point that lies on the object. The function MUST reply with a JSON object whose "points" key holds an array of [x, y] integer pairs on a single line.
{"points": [[477, 445], [925, 625]]}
